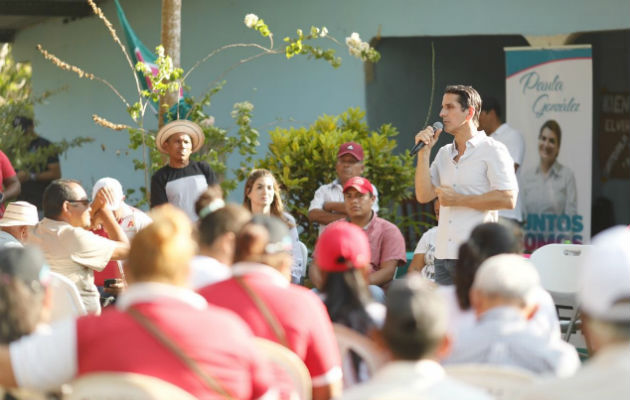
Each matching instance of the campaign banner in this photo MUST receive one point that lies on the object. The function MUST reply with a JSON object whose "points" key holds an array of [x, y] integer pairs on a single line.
{"points": [[549, 99]]}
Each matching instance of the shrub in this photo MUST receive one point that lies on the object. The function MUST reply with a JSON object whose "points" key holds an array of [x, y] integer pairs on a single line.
{"points": [[303, 158]]}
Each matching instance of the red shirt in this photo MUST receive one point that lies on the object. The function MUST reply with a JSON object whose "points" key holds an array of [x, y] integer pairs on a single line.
{"points": [[216, 339], [300, 312], [6, 171]]}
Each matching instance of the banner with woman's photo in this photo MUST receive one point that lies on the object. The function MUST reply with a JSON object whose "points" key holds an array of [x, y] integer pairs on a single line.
{"points": [[549, 99]]}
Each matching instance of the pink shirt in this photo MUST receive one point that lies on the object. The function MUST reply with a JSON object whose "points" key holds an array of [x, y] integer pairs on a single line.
{"points": [[386, 242], [300, 312]]}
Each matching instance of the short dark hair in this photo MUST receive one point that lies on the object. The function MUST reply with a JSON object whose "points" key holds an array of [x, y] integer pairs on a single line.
{"points": [[491, 103], [416, 321], [23, 122], [467, 97], [230, 218], [55, 194]]}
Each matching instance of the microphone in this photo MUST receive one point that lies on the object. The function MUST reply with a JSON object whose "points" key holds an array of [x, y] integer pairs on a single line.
{"points": [[418, 146]]}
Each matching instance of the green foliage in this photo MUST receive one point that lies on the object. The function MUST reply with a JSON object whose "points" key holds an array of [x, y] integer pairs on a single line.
{"points": [[16, 100], [302, 159]]}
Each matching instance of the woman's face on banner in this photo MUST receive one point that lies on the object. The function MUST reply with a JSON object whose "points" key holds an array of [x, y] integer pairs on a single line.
{"points": [[548, 146]]}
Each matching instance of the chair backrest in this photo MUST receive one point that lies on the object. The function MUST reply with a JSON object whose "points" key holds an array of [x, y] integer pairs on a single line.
{"points": [[65, 299], [349, 340], [559, 266], [128, 386], [304, 252], [501, 382], [290, 363]]}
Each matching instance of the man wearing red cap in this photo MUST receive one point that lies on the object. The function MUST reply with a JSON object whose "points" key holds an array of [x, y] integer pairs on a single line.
{"points": [[386, 242], [328, 203]]}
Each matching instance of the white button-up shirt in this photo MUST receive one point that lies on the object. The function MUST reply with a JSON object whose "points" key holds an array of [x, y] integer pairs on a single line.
{"points": [[486, 165], [513, 140]]}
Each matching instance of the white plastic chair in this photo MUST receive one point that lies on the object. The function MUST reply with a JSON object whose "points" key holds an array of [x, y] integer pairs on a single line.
{"points": [[501, 382], [128, 386], [349, 340], [290, 363], [559, 268], [65, 299]]}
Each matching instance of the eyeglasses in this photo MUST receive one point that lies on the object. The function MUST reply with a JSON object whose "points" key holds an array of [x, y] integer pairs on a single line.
{"points": [[85, 202]]}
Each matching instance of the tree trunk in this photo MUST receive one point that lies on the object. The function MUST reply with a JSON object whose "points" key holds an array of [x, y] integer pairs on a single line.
{"points": [[171, 39]]}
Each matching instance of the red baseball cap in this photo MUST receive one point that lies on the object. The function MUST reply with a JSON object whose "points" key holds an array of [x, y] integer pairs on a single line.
{"points": [[361, 184], [351, 148], [342, 246]]}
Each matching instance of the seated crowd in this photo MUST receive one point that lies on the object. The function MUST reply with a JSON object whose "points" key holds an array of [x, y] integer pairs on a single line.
{"points": [[190, 300]]}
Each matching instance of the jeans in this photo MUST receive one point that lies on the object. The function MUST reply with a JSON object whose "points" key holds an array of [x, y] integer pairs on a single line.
{"points": [[444, 271]]}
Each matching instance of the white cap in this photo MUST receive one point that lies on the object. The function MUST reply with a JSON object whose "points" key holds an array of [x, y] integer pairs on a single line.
{"points": [[20, 213], [114, 186], [508, 275], [605, 280]]}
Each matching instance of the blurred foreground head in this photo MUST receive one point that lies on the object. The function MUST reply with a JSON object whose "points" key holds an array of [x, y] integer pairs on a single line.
{"points": [[605, 289], [161, 252], [23, 278], [416, 319]]}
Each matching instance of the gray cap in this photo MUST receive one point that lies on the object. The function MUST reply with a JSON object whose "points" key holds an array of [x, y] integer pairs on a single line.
{"points": [[26, 264], [278, 231]]}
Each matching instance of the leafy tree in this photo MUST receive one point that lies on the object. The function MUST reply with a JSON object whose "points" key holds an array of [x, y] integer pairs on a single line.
{"points": [[304, 158]]}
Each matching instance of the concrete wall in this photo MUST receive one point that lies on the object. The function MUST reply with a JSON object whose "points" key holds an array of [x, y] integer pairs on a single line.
{"points": [[285, 92]]}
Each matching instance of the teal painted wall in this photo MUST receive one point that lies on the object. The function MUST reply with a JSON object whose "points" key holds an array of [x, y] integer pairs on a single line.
{"points": [[284, 92]]}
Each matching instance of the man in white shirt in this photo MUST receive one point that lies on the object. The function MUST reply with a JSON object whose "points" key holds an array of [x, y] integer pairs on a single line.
{"points": [[503, 296], [490, 121], [605, 302], [415, 335], [473, 177]]}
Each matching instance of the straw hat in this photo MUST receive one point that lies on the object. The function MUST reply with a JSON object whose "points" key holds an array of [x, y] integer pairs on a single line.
{"points": [[180, 126], [20, 213]]}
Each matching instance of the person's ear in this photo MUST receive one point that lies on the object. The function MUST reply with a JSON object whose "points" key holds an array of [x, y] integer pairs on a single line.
{"points": [[471, 113], [530, 311], [444, 347]]}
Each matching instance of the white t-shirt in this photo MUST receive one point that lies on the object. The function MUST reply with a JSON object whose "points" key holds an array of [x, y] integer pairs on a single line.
{"points": [[513, 140]]}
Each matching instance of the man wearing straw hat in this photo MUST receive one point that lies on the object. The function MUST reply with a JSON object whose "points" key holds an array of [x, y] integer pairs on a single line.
{"points": [[181, 181], [15, 223]]}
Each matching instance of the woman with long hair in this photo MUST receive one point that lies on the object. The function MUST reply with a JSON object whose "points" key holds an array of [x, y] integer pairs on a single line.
{"points": [[262, 196], [342, 256]]}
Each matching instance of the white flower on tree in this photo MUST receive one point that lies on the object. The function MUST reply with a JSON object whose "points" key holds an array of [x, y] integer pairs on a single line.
{"points": [[251, 20]]}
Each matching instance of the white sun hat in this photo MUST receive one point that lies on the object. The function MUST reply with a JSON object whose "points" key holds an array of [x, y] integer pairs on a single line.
{"points": [[20, 213]]}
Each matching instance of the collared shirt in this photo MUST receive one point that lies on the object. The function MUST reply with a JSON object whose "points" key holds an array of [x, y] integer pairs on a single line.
{"points": [[333, 191], [206, 270], [502, 336], [47, 360], [485, 166], [604, 376], [7, 240], [75, 253], [513, 140], [300, 312], [424, 379], [219, 342], [386, 242], [544, 323], [554, 193]]}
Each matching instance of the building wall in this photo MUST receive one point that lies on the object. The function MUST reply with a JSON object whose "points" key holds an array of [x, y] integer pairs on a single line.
{"points": [[284, 92]]}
